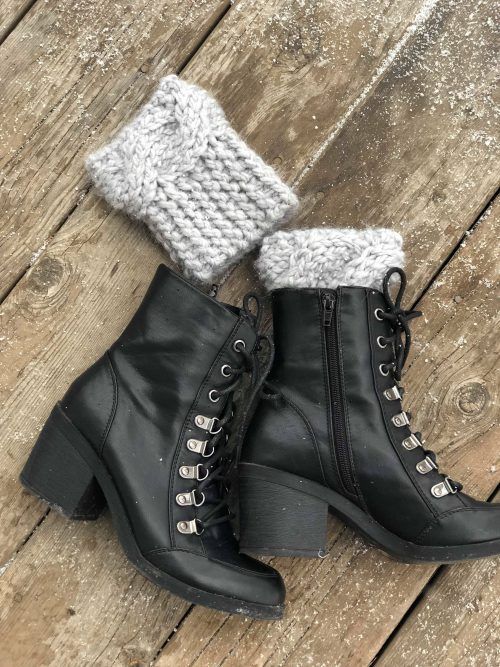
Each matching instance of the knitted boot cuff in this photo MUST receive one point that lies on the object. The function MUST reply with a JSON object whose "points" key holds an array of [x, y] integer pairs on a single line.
{"points": [[181, 168], [329, 257]]}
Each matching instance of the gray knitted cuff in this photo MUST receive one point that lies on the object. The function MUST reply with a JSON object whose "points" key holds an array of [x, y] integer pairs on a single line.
{"points": [[328, 257], [181, 168]]}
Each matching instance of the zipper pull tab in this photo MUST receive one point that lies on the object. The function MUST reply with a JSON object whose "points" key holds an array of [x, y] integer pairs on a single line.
{"points": [[328, 304]]}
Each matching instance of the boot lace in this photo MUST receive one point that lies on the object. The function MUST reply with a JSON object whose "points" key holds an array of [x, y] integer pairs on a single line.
{"points": [[215, 475], [400, 341]]}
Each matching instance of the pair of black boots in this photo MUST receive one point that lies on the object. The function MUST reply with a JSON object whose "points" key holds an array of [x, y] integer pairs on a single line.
{"points": [[153, 431]]}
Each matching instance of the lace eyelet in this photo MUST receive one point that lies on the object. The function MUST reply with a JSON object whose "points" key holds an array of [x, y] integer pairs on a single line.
{"points": [[377, 316], [443, 488], [381, 370], [393, 394], [226, 371], [401, 419], [379, 339], [239, 345], [188, 498], [426, 465], [208, 424], [214, 395], [199, 447], [193, 527], [193, 472], [412, 442], [201, 501]]}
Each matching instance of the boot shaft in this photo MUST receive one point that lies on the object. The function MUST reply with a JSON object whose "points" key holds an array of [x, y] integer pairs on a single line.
{"points": [[150, 405], [167, 356], [336, 417], [145, 431]]}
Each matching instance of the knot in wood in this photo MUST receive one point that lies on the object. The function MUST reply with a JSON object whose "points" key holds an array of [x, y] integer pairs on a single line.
{"points": [[472, 398]]}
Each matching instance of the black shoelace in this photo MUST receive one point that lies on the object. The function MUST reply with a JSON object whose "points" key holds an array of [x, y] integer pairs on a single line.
{"points": [[399, 320], [221, 465]]}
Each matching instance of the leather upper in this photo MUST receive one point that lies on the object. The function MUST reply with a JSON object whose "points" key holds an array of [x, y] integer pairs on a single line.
{"points": [[301, 416], [137, 406], [292, 433]]}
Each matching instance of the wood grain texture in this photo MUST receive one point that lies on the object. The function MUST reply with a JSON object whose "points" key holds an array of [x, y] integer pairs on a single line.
{"points": [[55, 602], [71, 73], [420, 152], [72, 76], [11, 11], [90, 277], [79, 293], [339, 610], [81, 256], [421, 156], [455, 623]]}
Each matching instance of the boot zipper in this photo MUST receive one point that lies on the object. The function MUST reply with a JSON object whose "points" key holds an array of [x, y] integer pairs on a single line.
{"points": [[337, 412]]}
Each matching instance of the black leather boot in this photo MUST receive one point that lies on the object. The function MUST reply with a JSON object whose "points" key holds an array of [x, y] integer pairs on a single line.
{"points": [[144, 430], [331, 433]]}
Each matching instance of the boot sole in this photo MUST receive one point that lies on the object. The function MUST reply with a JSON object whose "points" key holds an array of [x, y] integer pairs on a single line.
{"points": [[64, 470], [282, 514]]}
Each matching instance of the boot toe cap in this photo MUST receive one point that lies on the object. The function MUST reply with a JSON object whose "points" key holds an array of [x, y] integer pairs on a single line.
{"points": [[246, 580], [476, 523]]}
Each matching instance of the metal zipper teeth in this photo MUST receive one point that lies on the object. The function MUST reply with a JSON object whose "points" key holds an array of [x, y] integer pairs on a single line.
{"points": [[337, 413]]}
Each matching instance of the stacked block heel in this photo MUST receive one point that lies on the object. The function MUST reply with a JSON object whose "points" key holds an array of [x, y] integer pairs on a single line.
{"points": [[57, 473], [277, 520]]}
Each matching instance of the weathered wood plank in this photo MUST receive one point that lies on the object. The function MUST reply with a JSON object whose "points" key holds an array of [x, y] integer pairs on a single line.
{"points": [[111, 258], [71, 74], [94, 273], [69, 264], [455, 623], [420, 155], [341, 609], [10, 13], [55, 603], [71, 77], [415, 137]]}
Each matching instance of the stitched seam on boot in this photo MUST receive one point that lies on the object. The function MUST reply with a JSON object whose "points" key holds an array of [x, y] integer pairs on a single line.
{"points": [[189, 417], [334, 466], [417, 488], [357, 485], [435, 521], [310, 431], [114, 406], [166, 550]]}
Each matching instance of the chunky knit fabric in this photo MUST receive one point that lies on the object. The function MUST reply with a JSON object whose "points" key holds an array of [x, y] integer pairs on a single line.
{"points": [[181, 168], [329, 257]]}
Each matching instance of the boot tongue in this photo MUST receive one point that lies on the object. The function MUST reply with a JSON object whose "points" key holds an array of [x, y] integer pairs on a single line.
{"points": [[220, 542], [233, 309]]}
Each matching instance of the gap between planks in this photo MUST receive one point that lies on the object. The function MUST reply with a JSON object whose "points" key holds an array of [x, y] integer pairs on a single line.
{"points": [[412, 609], [484, 213], [422, 16], [16, 18]]}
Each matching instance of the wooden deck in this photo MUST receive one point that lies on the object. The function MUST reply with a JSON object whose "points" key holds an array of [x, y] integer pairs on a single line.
{"points": [[379, 112]]}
